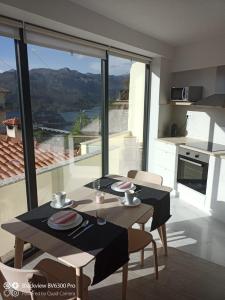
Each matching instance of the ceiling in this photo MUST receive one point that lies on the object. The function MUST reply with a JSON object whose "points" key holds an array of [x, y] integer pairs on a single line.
{"points": [[176, 22]]}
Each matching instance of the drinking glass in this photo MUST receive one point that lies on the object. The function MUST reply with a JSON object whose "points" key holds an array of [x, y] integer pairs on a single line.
{"points": [[101, 216], [96, 184]]}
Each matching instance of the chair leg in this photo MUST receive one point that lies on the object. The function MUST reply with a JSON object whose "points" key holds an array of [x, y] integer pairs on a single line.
{"points": [[124, 281], [160, 232], [79, 283], [142, 227], [18, 260], [33, 297], [155, 259], [163, 237], [85, 294]]}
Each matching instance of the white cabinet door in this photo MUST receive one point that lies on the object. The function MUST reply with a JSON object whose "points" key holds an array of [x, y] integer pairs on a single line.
{"points": [[166, 163], [168, 177], [215, 194]]}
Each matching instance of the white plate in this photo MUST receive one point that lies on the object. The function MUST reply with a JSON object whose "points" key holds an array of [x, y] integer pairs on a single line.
{"points": [[116, 188], [71, 225], [136, 202], [68, 203]]}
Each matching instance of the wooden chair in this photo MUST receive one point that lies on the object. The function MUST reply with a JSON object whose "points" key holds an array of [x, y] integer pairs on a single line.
{"points": [[145, 176], [138, 240], [46, 272], [155, 179]]}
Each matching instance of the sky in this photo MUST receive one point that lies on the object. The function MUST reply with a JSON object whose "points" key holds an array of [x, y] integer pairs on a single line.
{"points": [[40, 57]]}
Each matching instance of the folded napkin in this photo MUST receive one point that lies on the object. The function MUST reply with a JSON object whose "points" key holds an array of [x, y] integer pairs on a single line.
{"points": [[64, 217], [125, 185]]}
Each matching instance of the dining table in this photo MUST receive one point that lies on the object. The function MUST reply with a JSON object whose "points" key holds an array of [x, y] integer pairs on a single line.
{"points": [[101, 242]]}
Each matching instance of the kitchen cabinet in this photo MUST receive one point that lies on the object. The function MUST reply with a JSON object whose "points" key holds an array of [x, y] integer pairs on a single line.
{"points": [[165, 163], [215, 195], [221, 185]]}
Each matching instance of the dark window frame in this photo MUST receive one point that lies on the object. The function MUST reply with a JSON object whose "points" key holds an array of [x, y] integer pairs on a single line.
{"points": [[146, 125], [105, 115], [26, 120]]}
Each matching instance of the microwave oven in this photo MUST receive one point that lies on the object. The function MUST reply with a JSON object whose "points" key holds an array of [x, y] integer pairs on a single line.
{"points": [[187, 93]]}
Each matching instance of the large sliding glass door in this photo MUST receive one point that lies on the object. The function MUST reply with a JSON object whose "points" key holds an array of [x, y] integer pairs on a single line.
{"points": [[126, 114], [80, 109], [13, 199], [66, 108]]}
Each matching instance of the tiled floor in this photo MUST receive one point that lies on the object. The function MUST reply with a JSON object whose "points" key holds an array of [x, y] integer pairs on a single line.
{"points": [[195, 232]]}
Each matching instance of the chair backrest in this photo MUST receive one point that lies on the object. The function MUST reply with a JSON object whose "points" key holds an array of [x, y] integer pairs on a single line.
{"points": [[145, 176], [22, 281]]}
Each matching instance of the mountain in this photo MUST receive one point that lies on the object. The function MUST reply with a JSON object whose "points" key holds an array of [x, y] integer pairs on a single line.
{"points": [[61, 90]]}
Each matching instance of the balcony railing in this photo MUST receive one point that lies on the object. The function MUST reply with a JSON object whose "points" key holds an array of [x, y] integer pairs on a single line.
{"points": [[124, 153]]}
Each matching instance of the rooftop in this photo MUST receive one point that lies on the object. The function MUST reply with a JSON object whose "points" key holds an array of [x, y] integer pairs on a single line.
{"points": [[12, 159], [12, 122]]}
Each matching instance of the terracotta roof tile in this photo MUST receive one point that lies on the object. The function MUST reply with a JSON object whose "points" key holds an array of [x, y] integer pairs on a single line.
{"points": [[13, 121], [12, 160]]}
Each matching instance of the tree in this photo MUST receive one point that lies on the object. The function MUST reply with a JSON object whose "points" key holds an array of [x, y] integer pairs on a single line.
{"points": [[82, 120]]}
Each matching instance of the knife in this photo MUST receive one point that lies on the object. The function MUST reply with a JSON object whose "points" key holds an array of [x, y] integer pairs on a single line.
{"points": [[82, 231]]}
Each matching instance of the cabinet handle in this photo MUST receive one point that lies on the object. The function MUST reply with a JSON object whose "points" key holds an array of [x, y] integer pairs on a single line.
{"points": [[191, 162]]}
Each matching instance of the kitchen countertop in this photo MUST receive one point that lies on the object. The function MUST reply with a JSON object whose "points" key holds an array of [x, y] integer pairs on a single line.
{"points": [[181, 141], [177, 140]]}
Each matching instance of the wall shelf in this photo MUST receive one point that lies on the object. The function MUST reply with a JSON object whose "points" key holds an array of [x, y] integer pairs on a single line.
{"points": [[182, 103], [193, 105]]}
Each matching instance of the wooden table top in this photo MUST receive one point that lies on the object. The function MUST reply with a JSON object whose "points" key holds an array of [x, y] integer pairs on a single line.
{"points": [[85, 202]]}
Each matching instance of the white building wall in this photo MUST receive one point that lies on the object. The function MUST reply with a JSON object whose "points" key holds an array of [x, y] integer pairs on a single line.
{"points": [[136, 100]]}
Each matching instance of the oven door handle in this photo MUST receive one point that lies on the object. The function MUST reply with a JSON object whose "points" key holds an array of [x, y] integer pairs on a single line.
{"points": [[183, 94], [191, 162]]}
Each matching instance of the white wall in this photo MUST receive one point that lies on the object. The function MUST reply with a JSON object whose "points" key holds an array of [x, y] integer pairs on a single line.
{"points": [[207, 125], [206, 54], [65, 16], [203, 77], [159, 112], [203, 123]]}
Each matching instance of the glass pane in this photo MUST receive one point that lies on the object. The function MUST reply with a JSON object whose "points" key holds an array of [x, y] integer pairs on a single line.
{"points": [[12, 184], [66, 108], [126, 114]]}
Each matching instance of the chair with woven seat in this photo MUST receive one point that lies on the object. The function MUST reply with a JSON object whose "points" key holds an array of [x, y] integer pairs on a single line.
{"points": [[155, 179], [33, 284]]}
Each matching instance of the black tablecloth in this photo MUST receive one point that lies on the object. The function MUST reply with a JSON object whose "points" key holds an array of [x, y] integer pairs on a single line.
{"points": [[111, 240], [160, 200]]}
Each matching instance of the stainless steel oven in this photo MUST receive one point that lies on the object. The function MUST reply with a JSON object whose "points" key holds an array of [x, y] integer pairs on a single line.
{"points": [[193, 169]]}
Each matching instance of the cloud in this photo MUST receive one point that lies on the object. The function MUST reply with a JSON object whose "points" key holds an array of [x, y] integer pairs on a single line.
{"points": [[95, 67], [79, 56], [118, 65]]}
